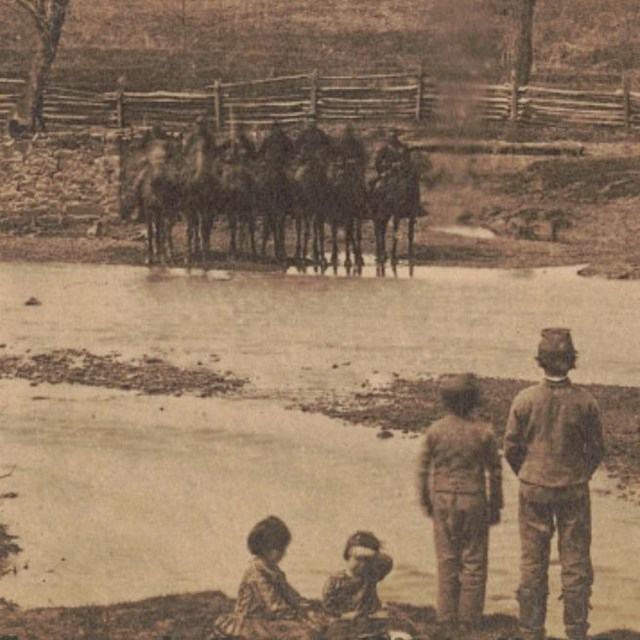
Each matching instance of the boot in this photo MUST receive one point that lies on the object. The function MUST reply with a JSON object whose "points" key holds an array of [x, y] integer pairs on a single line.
{"points": [[533, 613], [576, 612]]}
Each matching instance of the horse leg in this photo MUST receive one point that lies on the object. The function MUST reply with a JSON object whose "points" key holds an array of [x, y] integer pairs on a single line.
{"points": [[382, 251], [188, 233], [207, 228], [308, 223], [394, 249], [233, 230], [160, 248], [348, 243], [265, 234], [334, 247], [281, 227], [299, 223], [169, 238], [412, 228], [150, 232], [321, 247], [357, 245]]}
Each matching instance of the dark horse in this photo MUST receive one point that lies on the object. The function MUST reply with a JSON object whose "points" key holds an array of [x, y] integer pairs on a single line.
{"points": [[239, 201], [275, 202], [201, 193], [394, 196], [156, 194], [312, 203], [347, 209]]}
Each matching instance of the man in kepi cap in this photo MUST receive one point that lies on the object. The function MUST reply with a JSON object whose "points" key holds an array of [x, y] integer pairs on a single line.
{"points": [[461, 489], [553, 442]]}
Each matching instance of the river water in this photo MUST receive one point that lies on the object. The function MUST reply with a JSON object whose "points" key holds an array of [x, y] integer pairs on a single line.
{"points": [[124, 496]]}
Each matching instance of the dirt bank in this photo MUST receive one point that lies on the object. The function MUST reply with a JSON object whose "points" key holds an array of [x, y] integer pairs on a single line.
{"points": [[410, 405]]}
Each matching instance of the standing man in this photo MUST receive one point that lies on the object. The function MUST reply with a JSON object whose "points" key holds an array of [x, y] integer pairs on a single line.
{"points": [[461, 490], [553, 442]]}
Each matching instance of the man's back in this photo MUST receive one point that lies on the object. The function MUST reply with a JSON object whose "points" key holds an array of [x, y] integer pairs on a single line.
{"points": [[554, 436]]}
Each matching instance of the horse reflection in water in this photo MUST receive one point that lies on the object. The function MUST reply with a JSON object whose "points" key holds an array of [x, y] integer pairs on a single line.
{"points": [[156, 194]]}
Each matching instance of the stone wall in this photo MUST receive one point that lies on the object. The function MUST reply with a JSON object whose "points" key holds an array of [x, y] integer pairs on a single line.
{"points": [[60, 179]]}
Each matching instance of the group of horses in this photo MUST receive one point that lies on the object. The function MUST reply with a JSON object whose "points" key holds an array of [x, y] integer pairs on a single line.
{"points": [[194, 183]]}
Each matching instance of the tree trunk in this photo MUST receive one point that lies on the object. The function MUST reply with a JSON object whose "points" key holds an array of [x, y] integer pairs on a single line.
{"points": [[30, 111], [523, 54]]}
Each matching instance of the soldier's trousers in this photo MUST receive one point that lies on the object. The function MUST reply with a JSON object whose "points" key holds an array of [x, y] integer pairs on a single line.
{"points": [[569, 510], [461, 534]]}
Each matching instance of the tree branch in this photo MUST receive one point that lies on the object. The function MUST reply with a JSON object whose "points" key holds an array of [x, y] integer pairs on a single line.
{"points": [[41, 22]]}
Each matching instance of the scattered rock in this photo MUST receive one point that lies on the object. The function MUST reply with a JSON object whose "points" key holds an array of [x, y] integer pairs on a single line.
{"points": [[385, 434], [32, 302]]}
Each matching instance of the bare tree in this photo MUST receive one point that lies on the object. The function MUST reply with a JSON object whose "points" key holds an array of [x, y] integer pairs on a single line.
{"points": [[518, 18], [48, 17]]}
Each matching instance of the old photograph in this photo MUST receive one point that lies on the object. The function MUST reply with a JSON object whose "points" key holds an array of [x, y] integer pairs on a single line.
{"points": [[318, 320]]}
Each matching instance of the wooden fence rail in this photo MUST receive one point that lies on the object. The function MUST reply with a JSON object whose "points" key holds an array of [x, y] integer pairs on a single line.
{"points": [[402, 96]]}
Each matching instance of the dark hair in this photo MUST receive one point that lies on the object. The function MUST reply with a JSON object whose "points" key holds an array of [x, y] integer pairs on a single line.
{"points": [[362, 539], [270, 533], [547, 359], [460, 401]]}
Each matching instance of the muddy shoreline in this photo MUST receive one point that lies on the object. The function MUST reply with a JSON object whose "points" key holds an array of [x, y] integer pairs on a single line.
{"points": [[404, 406]]}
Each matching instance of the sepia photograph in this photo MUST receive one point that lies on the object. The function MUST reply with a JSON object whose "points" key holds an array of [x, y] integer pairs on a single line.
{"points": [[318, 320]]}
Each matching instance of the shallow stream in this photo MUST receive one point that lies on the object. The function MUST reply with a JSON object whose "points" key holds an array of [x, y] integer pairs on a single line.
{"points": [[124, 496]]}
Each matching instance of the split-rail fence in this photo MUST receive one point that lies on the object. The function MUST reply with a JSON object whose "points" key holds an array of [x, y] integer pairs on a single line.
{"points": [[392, 97]]}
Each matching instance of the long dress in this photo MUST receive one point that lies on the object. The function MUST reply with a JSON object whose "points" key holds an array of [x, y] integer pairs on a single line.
{"points": [[267, 608]]}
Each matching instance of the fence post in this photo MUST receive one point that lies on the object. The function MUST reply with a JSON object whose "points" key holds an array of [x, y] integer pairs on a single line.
{"points": [[515, 90], [313, 97], [120, 120], [420, 94], [626, 101], [217, 104]]}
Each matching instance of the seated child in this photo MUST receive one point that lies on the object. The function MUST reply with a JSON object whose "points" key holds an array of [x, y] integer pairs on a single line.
{"points": [[268, 607], [351, 596]]}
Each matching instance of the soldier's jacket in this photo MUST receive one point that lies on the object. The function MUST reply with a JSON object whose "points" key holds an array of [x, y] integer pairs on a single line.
{"points": [[311, 142], [393, 157], [240, 148], [554, 435], [351, 149], [277, 148], [459, 456]]}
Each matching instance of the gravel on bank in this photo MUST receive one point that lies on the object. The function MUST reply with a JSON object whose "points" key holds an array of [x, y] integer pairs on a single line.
{"points": [[149, 375]]}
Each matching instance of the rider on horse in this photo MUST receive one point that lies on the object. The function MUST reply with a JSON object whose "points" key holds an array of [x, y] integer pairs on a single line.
{"points": [[239, 148], [313, 145], [349, 152], [277, 148], [394, 158]]}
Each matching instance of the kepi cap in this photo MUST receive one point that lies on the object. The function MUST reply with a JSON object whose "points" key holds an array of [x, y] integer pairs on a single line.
{"points": [[556, 340]]}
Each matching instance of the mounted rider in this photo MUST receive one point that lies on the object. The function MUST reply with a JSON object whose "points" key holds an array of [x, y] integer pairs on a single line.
{"points": [[200, 133], [349, 152], [277, 149], [239, 149], [395, 168], [313, 145], [394, 158]]}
